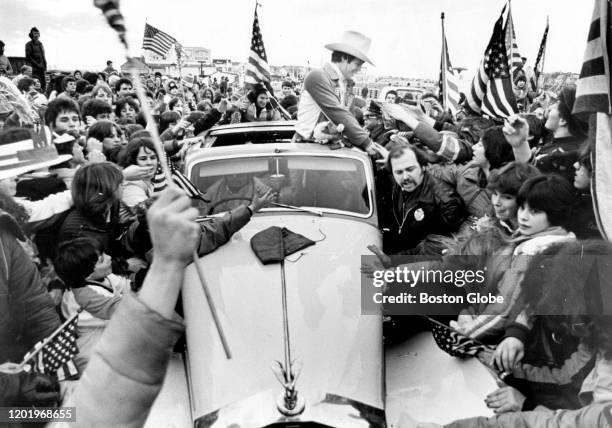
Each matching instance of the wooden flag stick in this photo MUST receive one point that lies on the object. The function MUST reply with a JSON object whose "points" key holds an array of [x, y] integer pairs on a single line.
{"points": [[161, 154]]}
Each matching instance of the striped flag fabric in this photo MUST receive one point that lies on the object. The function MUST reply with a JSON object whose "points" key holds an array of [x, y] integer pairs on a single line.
{"points": [[455, 343], [54, 354], [514, 57], [110, 9], [449, 89], [539, 64], [593, 87], [593, 96], [156, 40], [257, 69], [491, 92]]}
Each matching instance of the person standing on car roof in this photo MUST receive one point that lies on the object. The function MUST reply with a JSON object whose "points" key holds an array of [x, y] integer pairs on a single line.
{"points": [[325, 92]]}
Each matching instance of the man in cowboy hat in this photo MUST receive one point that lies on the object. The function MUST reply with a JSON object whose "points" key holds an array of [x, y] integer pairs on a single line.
{"points": [[324, 92]]}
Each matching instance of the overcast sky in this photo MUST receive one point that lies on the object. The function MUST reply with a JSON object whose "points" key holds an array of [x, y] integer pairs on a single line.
{"points": [[405, 34]]}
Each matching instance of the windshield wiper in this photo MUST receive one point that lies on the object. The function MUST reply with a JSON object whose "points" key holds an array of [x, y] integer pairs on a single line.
{"points": [[308, 210]]}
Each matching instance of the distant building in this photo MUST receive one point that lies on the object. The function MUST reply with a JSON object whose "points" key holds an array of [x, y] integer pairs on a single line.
{"points": [[193, 59], [141, 66]]}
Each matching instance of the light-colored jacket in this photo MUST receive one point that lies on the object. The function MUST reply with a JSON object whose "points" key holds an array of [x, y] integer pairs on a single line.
{"points": [[127, 368], [319, 101]]}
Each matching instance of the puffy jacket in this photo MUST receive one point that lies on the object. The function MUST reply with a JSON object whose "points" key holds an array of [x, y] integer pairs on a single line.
{"points": [[466, 179], [596, 415], [433, 208], [121, 381], [27, 313]]}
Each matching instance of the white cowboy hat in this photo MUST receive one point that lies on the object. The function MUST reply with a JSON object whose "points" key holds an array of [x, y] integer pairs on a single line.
{"points": [[23, 156], [353, 43]]}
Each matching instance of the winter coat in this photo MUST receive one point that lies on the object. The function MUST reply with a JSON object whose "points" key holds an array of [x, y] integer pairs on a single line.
{"points": [[27, 313], [127, 368], [35, 55], [504, 279], [433, 208], [468, 181], [596, 415]]}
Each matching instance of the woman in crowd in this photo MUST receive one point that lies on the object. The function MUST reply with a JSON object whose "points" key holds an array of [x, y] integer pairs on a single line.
{"points": [[259, 108], [103, 91], [569, 132], [96, 190], [565, 294], [139, 151], [126, 110], [110, 136]]}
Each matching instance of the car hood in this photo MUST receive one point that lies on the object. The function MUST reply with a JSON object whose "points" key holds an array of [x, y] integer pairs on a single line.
{"points": [[341, 350]]}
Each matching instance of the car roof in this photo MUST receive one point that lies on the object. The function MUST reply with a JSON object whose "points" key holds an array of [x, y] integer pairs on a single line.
{"points": [[263, 126], [199, 154]]}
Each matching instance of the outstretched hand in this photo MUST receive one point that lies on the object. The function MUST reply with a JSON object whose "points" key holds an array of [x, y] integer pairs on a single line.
{"points": [[516, 130], [260, 201], [174, 233]]}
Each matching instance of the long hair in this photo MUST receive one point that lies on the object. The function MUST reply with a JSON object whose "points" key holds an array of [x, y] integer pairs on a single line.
{"points": [[130, 153], [572, 280], [94, 189]]}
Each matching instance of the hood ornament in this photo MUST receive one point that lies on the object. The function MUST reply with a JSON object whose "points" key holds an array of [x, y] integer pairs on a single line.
{"points": [[291, 402]]}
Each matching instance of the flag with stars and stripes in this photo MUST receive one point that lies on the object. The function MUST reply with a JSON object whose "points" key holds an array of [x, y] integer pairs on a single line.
{"points": [[491, 92], [593, 86], [110, 9], [454, 343], [539, 64], [449, 88], [514, 57], [257, 69], [157, 41], [54, 354], [593, 95]]}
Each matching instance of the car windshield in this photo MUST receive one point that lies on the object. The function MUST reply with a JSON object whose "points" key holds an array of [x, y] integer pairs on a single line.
{"points": [[329, 183]]}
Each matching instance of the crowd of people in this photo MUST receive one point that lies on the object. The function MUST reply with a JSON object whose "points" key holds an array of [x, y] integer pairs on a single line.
{"points": [[90, 222]]}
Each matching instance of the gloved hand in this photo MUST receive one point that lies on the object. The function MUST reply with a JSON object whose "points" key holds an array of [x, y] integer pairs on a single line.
{"points": [[38, 389]]}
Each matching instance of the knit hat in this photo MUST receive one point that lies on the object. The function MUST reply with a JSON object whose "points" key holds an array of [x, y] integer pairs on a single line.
{"points": [[287, 83]]}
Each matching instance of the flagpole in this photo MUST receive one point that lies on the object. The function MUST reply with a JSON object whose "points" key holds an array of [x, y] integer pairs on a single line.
{"points": [[161, 154], [544, 56], [31, 355], [444, 67]]}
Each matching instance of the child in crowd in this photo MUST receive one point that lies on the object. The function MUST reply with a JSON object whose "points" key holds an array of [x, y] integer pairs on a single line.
{"points": [[544, 212], [567, 290], [90, 286]]}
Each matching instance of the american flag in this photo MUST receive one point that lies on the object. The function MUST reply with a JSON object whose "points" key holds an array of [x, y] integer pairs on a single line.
{"points": [[454, 343], [449, 89], [54, 354], [110, 9], [157, 41], [593, 96], [257, 69], [539, 64], [514, 57], [491, 92], [593, 88], [159, 181]]}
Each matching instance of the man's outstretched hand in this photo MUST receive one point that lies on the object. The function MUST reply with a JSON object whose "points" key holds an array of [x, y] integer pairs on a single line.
{"points": [[174, 233]]}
